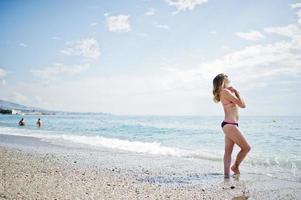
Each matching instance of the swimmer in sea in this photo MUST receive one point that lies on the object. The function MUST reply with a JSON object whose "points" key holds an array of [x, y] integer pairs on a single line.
{"points": [[39, 123], [22, 122]]}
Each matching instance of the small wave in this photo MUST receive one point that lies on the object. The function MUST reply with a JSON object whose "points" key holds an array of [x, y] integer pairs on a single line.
{"points": [[153, 148]]}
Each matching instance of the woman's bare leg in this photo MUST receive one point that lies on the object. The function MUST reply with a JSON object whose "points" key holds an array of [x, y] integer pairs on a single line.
{"points": [[227, 156], [237, 137]]}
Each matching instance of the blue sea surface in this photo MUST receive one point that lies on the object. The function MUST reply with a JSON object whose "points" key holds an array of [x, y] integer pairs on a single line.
{"points": [[275, 140]]}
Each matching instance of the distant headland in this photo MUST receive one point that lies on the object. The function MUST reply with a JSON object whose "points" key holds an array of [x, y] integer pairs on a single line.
{"points": [[10, 108]]}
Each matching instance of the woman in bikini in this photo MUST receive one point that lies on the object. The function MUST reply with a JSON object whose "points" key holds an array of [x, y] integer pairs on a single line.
{"points": [[231, 100]]}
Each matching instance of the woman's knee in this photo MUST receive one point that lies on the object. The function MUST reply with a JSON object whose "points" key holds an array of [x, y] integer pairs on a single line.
{"points": [[246, 148]]}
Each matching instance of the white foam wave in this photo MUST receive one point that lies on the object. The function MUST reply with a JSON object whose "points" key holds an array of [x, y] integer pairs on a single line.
{"points": [[154, 148]]}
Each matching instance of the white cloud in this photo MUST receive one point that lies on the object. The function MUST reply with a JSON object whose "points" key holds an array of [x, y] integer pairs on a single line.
{"points": [[296, 5], [255, 62], [292, 31], [161, 26], [257, 65], [23, 44], [2, 73], [252, 66], [183, 5], [87, 48], [251, 35], [106, 14], [118, 23], [213, 32], [57, 70], [288, 31], [150, 12], [299, 16]]}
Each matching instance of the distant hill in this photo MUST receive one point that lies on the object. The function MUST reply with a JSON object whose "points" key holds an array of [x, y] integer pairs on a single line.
{"points": [[7, 105], [11, 105]]}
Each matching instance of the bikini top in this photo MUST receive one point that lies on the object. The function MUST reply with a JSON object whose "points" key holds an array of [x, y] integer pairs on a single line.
{"points": [[227, 102]]}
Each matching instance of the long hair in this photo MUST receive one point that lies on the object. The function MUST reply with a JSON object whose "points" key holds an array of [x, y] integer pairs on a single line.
{"points": [[218, 84]]}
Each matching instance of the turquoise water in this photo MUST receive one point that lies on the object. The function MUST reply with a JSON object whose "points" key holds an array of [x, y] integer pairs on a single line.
{"points": [[275, 141]]}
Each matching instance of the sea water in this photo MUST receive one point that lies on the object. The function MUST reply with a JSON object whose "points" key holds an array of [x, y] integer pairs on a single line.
{"points": [[275, 140]]}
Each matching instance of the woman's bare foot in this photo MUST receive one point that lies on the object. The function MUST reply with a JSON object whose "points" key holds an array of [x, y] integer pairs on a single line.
{"points": [[235, 169]]}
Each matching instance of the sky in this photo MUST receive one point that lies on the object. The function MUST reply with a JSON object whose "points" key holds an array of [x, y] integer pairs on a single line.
{"points": [[150, 57]]}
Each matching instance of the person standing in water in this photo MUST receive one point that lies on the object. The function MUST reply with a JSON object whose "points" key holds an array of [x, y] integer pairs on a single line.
{"points": [[231, 100], [22, 122], [39, 123]]}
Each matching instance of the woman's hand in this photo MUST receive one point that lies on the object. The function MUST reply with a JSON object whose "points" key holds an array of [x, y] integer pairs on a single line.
{"points": [[232, 89]]}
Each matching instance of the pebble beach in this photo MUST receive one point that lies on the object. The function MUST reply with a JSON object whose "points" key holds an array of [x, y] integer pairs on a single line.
{"points": [[49, 176]]}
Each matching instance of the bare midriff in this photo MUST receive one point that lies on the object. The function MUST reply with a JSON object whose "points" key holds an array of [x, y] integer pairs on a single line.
{"points": [[231, 112]]}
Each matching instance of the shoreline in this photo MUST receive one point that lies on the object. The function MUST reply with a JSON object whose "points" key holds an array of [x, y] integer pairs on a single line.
{"points": [[34, 169]]}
